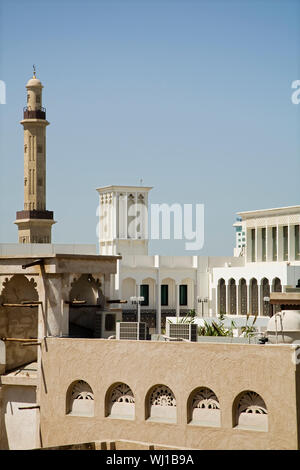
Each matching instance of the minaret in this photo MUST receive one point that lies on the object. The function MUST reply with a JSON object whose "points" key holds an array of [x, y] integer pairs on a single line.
{"points": [[34, 222]]}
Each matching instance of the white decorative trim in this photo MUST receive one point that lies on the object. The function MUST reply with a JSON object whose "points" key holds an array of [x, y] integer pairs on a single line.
{"points": [[162, 396]]}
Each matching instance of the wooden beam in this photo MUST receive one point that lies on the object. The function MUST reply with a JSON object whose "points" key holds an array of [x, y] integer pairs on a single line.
{"points": [[19, 340], [86, 306], [27, 305], [28, 407], [39, 261]]}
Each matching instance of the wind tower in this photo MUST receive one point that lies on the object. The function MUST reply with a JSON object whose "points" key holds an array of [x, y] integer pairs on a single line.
{"points": [[34, 222]]}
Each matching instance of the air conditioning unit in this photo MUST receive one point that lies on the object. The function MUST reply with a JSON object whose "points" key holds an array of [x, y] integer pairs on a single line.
{"points": [[187, 331], [131, 330]]}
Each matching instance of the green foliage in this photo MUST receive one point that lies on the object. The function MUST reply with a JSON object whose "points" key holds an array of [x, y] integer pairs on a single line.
{"points": [[249, 330], [189, 318], [216, 328]]}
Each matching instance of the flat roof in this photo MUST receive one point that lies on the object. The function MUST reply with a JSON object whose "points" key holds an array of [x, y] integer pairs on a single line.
{"points": [[61, 255], [124, 188], [272, 211]]}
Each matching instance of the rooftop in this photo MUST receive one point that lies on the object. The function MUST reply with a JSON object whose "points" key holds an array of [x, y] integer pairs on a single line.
{"points": [[270, 212]]}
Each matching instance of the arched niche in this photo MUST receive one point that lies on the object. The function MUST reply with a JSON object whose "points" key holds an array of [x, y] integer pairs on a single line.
{"points": [[204, 408], [120, 402], [250, 411], [161, 404], [87, 288], [82, 316], [80, 399], [19, 321]]}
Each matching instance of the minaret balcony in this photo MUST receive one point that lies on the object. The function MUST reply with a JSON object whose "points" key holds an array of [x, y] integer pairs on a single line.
{"points": [[34, 114], [35, 214]]}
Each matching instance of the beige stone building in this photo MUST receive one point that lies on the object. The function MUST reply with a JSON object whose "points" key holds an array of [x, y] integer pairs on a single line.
{"points": [[40, 297], [61, 387]]}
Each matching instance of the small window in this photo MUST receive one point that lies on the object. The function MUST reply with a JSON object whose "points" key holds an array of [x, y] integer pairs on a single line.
{"points": [[183, 294], [164, 294], [144, 292], [38, 98]]}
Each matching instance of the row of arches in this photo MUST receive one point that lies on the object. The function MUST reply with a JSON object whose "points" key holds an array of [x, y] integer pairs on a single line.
{"points": [[240, 298], [85, 289], [203, 407]]}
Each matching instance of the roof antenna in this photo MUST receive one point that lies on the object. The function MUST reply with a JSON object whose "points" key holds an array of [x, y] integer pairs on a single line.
{"points": [[34, 71]]}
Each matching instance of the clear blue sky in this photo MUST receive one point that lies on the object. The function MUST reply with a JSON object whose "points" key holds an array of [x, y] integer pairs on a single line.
{"points": [[192, 96]]}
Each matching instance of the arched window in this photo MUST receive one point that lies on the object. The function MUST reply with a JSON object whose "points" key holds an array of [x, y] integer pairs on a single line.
{"points": [[265, 293], [232, 297], [204, 408], [251, 411], [222, 296], [276, 287], [161, 404], [120, 402], [253, 297], [80, 399], [243, 297]]}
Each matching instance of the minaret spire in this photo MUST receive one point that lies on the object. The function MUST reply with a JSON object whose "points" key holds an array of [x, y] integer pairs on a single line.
{"points": [[34, 222]]}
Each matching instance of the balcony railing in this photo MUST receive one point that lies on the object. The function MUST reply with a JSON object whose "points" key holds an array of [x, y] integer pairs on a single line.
{"points": [[36, 114]]}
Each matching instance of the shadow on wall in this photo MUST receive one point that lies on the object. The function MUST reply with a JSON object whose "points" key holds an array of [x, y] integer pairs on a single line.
{"points": [[82, 317], [18, 321]]}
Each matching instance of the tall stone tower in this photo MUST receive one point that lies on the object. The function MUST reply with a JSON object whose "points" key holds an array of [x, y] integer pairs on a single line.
{"points": [[34, 222]]}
